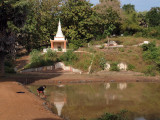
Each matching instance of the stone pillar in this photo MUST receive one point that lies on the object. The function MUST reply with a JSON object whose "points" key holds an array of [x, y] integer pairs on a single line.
{"points": [[52, 46], [65, 45]]}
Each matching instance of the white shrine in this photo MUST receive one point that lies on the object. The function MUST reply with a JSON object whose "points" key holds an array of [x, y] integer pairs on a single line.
{"points": [[59, 42]]}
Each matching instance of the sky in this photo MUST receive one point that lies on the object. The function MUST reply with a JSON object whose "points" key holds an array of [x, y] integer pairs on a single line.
{"points": [[140, 5]]}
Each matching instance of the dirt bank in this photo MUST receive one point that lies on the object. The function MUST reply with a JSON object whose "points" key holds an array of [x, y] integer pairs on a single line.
{"points": [[50, 78], [23, 105]]}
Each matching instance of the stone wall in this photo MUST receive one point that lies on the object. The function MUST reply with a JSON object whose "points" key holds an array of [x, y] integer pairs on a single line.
{"points": [[58, 65], [39, 69]]}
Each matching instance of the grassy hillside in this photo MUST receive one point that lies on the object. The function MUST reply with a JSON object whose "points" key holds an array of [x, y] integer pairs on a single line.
{"points": [[129, 54]]}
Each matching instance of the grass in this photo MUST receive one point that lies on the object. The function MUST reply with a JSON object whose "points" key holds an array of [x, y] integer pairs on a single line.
{"points": [[134, 58], [129, 54], [83, 62], [130, 41], [126, 41]]}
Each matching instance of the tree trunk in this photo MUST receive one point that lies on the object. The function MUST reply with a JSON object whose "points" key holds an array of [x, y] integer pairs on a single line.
{"points": [[2, 59]]}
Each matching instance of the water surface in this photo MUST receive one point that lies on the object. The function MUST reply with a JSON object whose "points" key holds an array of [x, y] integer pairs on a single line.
{"points": [[76, 101]]}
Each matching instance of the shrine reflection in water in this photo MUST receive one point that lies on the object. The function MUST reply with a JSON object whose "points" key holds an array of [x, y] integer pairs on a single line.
{"points": [[89, 101]]}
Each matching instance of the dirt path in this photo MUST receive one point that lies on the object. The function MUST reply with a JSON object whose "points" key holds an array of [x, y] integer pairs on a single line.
{"points": [[21, 106]]}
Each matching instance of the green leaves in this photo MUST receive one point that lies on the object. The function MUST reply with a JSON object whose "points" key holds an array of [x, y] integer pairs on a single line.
{"points": [[153, 16], [78, 21], [152, 55]]}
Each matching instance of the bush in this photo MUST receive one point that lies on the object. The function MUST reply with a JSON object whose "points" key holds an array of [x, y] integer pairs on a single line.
{"points": [[151, 54], [114, 67], [151, 32], [131, 67], [38, 60], [51, 55], [9, 70], [69, 57], [35, 56], [72, 46], [118, 116], [102, 63], [150, 71], [138, 34], [9, 66], [126, 33], [98, 62], [151, 46]]}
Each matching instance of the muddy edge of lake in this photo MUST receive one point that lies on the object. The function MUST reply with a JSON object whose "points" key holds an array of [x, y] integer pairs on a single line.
{"points": [[49, 78]]}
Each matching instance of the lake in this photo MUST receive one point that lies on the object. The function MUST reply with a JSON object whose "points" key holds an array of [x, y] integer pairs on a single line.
{"points": [[89, 101]]}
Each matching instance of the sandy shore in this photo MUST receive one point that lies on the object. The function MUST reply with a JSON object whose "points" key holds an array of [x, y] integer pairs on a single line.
{"points": [[23, 105]]}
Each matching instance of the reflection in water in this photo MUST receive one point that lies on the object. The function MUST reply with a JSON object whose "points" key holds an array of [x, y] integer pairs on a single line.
{"points": [[107, 85], [90, 101], [140, 118], [109, 97], [122, 86], [60, 85], [59, 99]]}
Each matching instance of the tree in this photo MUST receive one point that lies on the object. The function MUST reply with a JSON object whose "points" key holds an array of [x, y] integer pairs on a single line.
{"points": [[142, 19], [130, 23], [78, 21], [40, 24], [110, 13], [11, 12], [153, 16], [128, 8]]}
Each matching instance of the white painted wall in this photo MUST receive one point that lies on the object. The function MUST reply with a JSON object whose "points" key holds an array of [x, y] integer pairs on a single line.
{"points": [[122, 66], [107, 67]]}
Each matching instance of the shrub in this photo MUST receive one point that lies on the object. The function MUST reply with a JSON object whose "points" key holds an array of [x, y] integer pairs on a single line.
{"points": [[114, 67], [35, 56], [72, 46], [51, 55], [69, 57], [151, 54], [150, 71], [138, 34], [102, 63], [9, 65], [98, 62], [151, 46], [9, 69], [152, 32], [118, 116], [131, 67], [39, 60], [126, 33]]}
